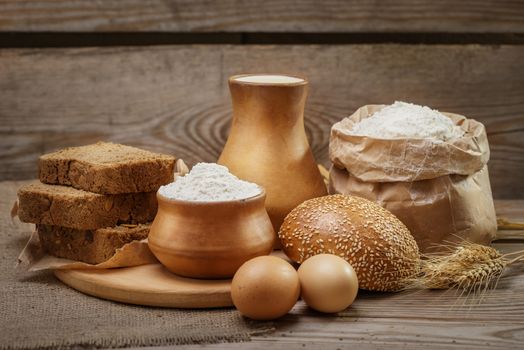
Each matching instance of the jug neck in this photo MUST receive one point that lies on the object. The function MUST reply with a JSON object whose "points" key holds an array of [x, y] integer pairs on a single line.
{"points": [[262, 105]]}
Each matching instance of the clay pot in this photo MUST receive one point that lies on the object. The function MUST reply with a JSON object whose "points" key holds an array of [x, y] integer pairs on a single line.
{"points": [[210, 239], [267, 143]]}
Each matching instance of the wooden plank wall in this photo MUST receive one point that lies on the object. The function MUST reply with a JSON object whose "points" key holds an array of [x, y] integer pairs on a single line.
{"points": [[344, 16], [174, 98]]}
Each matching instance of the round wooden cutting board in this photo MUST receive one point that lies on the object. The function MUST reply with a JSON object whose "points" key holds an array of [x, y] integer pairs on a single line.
{"points": [[151, 285]]}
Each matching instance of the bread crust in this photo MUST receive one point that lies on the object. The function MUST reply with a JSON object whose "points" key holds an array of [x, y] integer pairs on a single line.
{"points": [[77, 209], [89, 246], [107, 168], [378, 245]]}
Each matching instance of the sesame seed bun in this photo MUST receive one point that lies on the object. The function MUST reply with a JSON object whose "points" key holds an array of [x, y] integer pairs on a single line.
{"points": [[377, 244]]}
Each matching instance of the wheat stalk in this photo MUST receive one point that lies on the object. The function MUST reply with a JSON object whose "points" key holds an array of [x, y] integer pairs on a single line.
{"points": [[470, 267]]}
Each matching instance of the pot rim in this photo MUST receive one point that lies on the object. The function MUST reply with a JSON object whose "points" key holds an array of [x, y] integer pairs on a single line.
{"points": [[242, 201], [233, 80]]}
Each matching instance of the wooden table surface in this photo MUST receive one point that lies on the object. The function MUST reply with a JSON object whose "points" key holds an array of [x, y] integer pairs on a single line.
{"points": [[414, 320], [431, 319]]}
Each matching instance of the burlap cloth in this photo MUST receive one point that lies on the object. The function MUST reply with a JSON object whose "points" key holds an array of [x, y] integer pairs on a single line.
{"points": [[38, 312]]}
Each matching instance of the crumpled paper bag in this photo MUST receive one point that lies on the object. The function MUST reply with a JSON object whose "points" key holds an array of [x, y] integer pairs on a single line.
{"points": [[439, 190], [34, 258], [381, 160]]}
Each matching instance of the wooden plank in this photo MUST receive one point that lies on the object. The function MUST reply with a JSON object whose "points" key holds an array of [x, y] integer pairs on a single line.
{"points": [[321, 332], [158, 287], [175, 98], [510, 235], [512, 212], [472, 16]]}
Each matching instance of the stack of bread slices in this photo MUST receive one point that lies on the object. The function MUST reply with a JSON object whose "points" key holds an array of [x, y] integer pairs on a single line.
{"points": [[92, 200]]}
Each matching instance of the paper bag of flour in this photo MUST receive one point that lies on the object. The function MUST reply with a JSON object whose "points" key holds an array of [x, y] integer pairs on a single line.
{"points": [[439, 189]]}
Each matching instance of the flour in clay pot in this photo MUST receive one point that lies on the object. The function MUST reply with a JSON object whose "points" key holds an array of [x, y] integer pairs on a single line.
{"points": [[209, 182]]}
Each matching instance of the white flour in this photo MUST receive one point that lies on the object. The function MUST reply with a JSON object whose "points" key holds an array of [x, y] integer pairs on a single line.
{"points": [[209, 182], [407, 120]]}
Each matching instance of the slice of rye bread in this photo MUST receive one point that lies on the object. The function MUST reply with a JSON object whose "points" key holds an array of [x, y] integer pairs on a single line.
{"points": [[90, 246], [107, 168], [40, 203]]}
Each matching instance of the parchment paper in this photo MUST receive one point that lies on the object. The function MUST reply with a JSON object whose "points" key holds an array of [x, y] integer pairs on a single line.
{"points": [[439, 190], [34, 258]]}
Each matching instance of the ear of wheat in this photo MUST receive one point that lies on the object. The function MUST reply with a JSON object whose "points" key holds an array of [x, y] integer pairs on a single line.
{"points": [[468, 266]]}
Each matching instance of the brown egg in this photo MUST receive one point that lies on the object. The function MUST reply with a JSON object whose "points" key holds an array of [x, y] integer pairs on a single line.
{"points": [[265, 288], [328, 283]]}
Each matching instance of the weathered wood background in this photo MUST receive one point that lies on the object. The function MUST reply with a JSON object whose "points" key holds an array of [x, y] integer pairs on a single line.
{"points": [[470, 16], [465, 57]]}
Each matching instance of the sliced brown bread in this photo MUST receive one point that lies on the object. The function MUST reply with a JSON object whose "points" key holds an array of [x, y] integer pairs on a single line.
{"points": [[40, 203], [90, 246], [107, 168]]}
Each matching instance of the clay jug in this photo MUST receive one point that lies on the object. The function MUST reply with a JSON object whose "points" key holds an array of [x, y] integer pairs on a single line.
{"points": [[267, 143]]}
